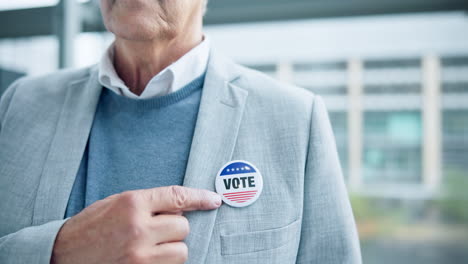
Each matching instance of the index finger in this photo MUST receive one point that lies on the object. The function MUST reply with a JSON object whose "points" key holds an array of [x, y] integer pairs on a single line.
{"points": [[179, 198]]}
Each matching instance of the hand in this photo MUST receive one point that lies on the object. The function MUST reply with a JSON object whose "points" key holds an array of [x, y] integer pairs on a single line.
{"points": [[143, 226]]}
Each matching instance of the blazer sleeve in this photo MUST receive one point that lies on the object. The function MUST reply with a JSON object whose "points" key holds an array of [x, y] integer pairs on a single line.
{"points": [[328, 232], [32, 244]]}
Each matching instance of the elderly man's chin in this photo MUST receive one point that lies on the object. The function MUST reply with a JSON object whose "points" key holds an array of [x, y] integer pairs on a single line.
{"points": [[138, 19], [141, 29]]}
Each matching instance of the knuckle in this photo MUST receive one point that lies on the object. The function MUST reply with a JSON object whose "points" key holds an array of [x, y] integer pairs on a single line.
{"points": [[133, 227], [135, 231], [131, 219], [129, 199], [179, 196]]}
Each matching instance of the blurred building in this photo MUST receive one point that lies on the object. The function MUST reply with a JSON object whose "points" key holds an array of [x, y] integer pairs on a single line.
{"points": [[401, 124]]}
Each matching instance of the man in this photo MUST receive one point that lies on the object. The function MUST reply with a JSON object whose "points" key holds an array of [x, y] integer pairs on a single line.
{"points": [[92, 160]]}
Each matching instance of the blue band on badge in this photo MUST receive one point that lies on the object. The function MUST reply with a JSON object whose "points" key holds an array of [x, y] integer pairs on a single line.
{"points": [[237, 168]]}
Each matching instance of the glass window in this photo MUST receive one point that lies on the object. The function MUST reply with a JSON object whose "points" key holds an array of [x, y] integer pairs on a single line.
{"points": [[455, 75], [394, 76], [328, 78], [455, 142], [392, 147]]}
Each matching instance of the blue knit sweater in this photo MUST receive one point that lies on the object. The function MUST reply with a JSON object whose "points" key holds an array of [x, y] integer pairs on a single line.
{"points": [[136, 144]]}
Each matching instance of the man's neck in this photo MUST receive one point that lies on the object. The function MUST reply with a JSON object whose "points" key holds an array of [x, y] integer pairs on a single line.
{"points": [[137, 62]]}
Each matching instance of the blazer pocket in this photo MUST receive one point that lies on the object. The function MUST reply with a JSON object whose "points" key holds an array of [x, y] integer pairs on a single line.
{"points": [[249, 242]]}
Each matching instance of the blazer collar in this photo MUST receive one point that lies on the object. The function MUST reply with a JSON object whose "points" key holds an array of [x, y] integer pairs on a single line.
{"points": [[219, 117]]}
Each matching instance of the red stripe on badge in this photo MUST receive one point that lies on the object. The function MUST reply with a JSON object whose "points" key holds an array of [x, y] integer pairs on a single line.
{"points": [[246, 192], [240, 197]]}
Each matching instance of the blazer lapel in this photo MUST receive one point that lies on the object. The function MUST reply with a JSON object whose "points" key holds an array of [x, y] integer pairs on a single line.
{"points": [[67, 148], [219, 117]]}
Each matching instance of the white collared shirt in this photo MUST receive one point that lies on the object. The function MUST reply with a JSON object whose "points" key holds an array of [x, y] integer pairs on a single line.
{"points": [[180, 73]]}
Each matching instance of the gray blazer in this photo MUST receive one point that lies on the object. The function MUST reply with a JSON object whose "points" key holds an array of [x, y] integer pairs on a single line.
{"points": [[302, 216]]}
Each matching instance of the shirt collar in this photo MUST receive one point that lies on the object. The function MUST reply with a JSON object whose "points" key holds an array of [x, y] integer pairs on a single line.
{"points": [[180, 73]]}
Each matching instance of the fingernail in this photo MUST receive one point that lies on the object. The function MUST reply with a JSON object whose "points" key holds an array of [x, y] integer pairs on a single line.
{"points": [[215, 199]]}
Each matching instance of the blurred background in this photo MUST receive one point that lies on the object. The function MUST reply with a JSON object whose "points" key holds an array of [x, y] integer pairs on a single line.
{"points": [[393, 73]]}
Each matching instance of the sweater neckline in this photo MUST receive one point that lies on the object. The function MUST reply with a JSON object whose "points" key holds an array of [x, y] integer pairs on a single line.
{"points": [[155, 102]]}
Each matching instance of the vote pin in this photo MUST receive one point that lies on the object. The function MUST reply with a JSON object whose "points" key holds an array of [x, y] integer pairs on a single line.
{"points": [[239, 183]]}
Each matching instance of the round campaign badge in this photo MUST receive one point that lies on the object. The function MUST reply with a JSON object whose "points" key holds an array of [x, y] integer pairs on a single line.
{"points": [[239, 183]]}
